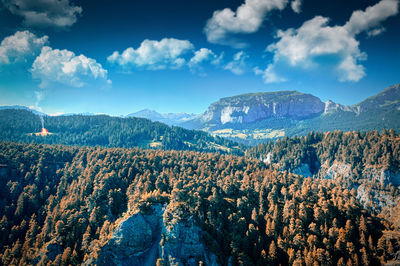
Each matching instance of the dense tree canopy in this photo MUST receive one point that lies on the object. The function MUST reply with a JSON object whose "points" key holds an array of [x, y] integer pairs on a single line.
{"points": [[106, 131], [60, 204]]}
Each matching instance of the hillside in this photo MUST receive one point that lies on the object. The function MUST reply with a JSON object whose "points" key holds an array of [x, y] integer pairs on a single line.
{"points": [[72, 205], [256, 117], [368, 163], [106, 131]]}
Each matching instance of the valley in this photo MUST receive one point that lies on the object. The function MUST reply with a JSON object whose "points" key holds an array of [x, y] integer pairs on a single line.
{"points": [[79, 205], [103, 190], [199, 133]]}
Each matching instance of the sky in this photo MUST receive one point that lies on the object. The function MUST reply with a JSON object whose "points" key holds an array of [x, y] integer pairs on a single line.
{"points": [[118, 57]]}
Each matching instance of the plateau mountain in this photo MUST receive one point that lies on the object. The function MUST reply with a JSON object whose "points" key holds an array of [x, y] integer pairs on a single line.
{"points": [[255, 117]]}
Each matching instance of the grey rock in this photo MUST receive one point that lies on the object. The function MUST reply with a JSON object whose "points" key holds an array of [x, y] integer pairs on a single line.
{"points": [[303, 170], [134, 240], [249, 108], [143, 238]]}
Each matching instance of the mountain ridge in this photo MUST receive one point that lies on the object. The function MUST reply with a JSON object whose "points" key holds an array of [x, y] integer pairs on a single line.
{"points": [[256, 117], [167, 118]]}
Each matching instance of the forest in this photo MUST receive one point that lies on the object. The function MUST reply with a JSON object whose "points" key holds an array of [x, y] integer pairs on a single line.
{"points": [[359, 149], [107, 131], [60, 204]]}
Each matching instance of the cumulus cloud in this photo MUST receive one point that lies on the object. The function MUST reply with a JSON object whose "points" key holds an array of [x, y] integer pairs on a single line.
{"points": [[154, 55], [63, 66], [21, 47], [238, 65], [315, 39], [296, 5], [45, 13], [372, 17], [269, 75], [247, 18], [202, 55]]}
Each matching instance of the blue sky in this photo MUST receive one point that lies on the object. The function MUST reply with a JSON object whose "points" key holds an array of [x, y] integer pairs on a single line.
{"points": [[118, 57]]}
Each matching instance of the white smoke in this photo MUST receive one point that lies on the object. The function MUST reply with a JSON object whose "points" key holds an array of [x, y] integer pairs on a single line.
{"points": [[39, 96], [42, 120]]}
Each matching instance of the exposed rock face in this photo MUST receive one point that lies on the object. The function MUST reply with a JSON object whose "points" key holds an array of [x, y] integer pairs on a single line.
{"points": [[181, 239], [332, 107], [295, 113], [338, 169], [367, 193], [141, 239], [134, 240], [374, 198], [382, 176], [249, 108], [303, 170]]}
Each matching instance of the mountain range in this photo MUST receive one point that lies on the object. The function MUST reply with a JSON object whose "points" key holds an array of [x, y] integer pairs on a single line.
{"points": [[255, 117], [166, 118]]}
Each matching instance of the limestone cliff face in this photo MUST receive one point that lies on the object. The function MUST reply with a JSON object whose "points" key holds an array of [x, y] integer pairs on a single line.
{"points": [[332, 107], [161, 235], [134, 241], [367, 192], [249, 108]]}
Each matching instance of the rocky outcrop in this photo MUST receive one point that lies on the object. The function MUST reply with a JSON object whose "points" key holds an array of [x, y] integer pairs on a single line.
{"points": [[368, 188], [295, 113], [303, 170], [373, 198], [135, 241], [338, 169], [332, 107], [382, 176], [249, 108], [181, 240], [161, 235]]}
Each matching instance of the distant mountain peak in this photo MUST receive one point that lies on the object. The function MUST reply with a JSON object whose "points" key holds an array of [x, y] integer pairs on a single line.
{"points": [[255, 117], [253, 107], [167, 118], [21, 107]]}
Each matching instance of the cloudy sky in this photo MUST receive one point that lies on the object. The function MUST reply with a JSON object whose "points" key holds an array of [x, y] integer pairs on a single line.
{"points": [[118, 57]]}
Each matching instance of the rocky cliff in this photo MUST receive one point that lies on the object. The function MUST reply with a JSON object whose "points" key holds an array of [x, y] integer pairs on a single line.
{"points": [[249, 108], [158, 236], [370, 187], [252, 118]]}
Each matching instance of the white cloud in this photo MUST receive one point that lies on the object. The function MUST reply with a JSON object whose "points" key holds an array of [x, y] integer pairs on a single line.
{"points": [[45, 13], [376, 31], [247, 18], [315, 39], [154, 55], [238, 65], [296, 5], [372, 16], [269, 75], [202, 55], [63, 66], [21, 47]]}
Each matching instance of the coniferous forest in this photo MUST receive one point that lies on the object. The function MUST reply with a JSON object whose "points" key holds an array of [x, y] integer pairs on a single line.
{"points": [[64, 205], [199, 133], [107, 131]]}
